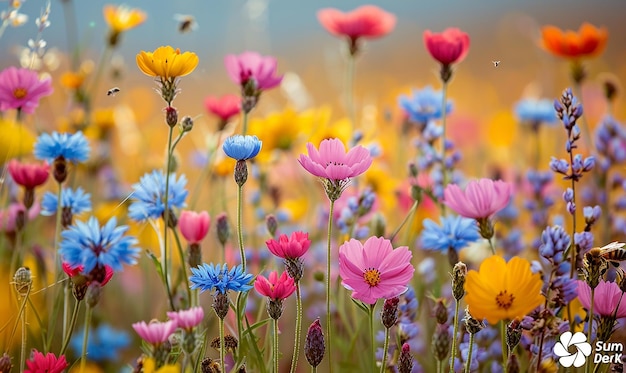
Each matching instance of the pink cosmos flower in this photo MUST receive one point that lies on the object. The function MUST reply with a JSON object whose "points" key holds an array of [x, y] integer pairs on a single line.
{"points": [[274, 287], [290, 247], [29, 175], [71, 272], [22, 89], [187, 319], [155, 332], [49, 363], [333, 163], [448, 47], [374, 270], [606, 298], [481, 199], [194, 226], [367, 21], [8, 215], [251, 65], [224, 107]]}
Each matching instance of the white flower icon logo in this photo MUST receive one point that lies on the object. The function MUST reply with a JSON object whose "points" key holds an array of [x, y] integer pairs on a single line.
{"points": [[578, 358]]}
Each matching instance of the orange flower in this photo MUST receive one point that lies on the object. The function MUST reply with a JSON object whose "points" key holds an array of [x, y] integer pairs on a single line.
{"points": [[587, 42], [72, 80], [121, 18]]}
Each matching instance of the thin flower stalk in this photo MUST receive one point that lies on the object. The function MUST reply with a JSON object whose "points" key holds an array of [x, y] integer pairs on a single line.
{"points": [[328, 324], [468, 362], [183, 264], [296, 346], [222, 347], [83, 355], [372, 335], [503, 344], [166, 216], [444, 173], [70, 330], [590, 326], [383, 365], [275, 345], [454, 336]]}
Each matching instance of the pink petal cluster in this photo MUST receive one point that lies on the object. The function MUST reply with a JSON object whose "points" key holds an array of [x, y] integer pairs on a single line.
{"points": [[155, 332], [367, 21], [448, 47], [374, 270], [291, 247], [187, 319], [29, 175], [333, 163], [8, 215], [194, 226], [48, 363], [251, 65], [274, 287], [71, 272], [481, 199], [224, 107], [22, 89], [605, 299]]}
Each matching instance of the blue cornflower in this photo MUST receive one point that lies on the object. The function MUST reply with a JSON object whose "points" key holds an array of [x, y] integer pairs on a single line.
{"points": [[241, 147], [73, 148], [90, 245], [424, 105], [76, 200], [456, 232], [104, 343], [535, 111], [148, 195], [218, 277]]}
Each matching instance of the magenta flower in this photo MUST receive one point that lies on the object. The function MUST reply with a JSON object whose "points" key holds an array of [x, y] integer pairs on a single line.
{"points": [[8, 216], [252, 66], [48, 363], [374, 270], [480, 200], [447, 47], [274, 287], [606, 299], [187, 319], [194, 226], [155, 332], [224, 107], [29, 175], [290, 247], [22, 89]]}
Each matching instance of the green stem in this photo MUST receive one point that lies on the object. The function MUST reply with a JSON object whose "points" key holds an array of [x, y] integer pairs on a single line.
{"points": [[296, 347], [42, 329], [166, 216], [83, 356], [275, 344], [383, 365], [454, 333], [372, 336], [493, 249], [590, 326], [23, 342], [57, 231], [222, 349], [468, 362], [350, 74], [502, 342], [68, 336], [406, 218], [328, 328], [444, 173], [245, 123], [183, 265], [242, 251], [66, 303]]}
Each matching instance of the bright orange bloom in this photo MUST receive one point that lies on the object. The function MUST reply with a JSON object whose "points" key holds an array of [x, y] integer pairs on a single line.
{"points": [[72, 80], [587, 42], [121, 18], [167, 63]]}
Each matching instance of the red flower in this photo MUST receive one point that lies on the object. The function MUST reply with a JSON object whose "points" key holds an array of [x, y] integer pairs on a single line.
{"points": [[29, 175], [194, 226], [448, 47], [45, 364], [368, 21], [290, 247], [71, 272], [224, 107]]}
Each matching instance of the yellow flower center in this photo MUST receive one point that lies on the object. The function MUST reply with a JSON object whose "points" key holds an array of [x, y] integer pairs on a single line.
{"points": [[504, 300], [371, 276], [19, 93]]}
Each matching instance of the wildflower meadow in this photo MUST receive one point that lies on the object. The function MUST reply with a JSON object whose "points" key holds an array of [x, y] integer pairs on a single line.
{"points": [[274, 186]]}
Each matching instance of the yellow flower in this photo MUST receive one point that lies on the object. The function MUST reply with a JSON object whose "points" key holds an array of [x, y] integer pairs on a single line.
{"points": [[383, 184], [503, 291], [121, 18], [166, 63], [72, 80], [224, 166], [280, 130], [149, 366], [340, 129], [16, 140]]}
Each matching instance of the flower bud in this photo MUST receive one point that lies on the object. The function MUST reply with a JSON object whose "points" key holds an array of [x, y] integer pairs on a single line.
{"points": [[94, 291], [230, 342], [221, 304], [389, 313], [223, 228], [314, 346], [459, 272], [441, 312], [171, 116], [186, 124], [295, 268], [405, 361], [512, 364], [274, 308], [241, 172], [5, 363], [441, 342], [472, 324], [272, 224]]}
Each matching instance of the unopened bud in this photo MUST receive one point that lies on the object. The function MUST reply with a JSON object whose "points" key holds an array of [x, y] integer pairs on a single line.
{"points": [[94, 291], [441, 312], [405, 361], [472, 324], [314, 345], [171, 116], [272, 224], [441, 342], [389, 313], [459, 272], [223, 228], [5, 363], [186, 124]]}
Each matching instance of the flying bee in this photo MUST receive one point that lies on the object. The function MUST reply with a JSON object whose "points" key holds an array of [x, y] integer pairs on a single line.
{"points": [[613, 253], [186, 22], [495, 63], [113, 91]]}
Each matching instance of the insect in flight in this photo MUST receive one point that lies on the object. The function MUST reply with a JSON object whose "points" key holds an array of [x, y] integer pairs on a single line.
{"points": [[113, 91], [612, 253], [495, 63], [186, 22]]}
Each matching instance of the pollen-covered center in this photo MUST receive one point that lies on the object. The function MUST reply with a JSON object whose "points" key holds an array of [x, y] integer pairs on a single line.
{"points": [[19, 93], [504, 300], [371, 276]]}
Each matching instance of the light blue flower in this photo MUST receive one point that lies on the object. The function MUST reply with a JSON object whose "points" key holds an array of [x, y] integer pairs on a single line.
{"points": [[76, 200], [89, 245], [425, 105], [241, 147], [73, 148], [533, 111], [104, 343], [148, 195], [455, 232], [218, 277]]}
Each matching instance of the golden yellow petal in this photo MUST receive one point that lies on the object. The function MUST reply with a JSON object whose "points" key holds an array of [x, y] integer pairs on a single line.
{"points": [[145, 63]]}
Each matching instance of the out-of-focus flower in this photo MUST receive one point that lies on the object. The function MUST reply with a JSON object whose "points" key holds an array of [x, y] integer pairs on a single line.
{"points": [[224, 107], [448, 47], [374, 270], [501, 290], [187, 319], [148, 195], [72, 80], [92, 246], [252, 67], [29, 175], [149, 366], [16, 140], [104, 343], [280, 130], [424, 105], [535, 112], [8, 216], [455, 232], [606, 299], [291, 247], [121, 18], [481, 199], [78, 270], [274, 287], [242, 148], [218, 277], [13, 17], [155, 332], [77, 201], [194, 226], [72, 148], [48, 363], [589, 41], [167, 63], [22, 89], [367, 21]]}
